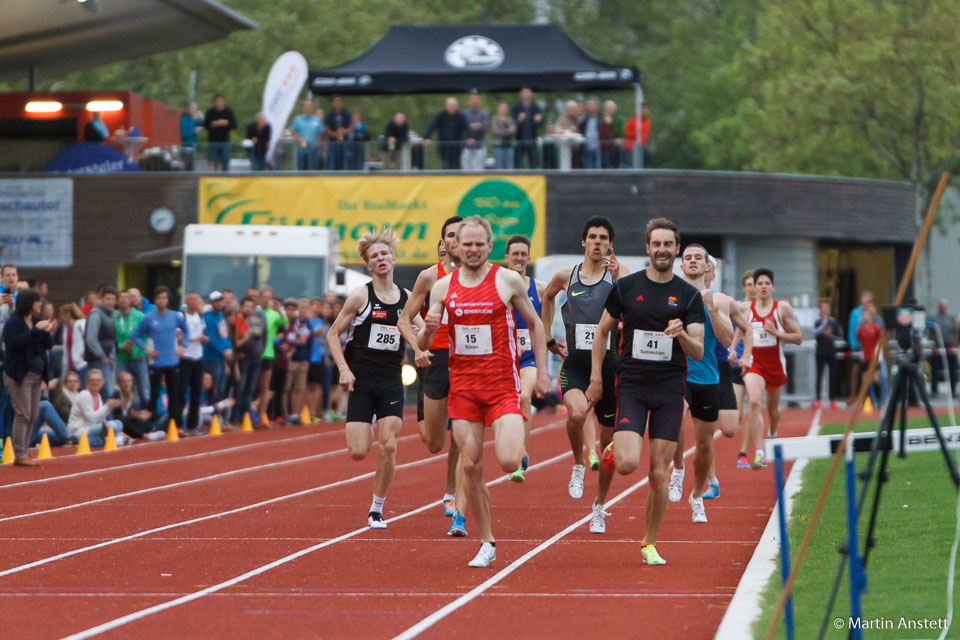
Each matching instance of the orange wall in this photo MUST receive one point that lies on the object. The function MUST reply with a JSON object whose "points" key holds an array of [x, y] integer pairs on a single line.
{"points": [[158, 121]]}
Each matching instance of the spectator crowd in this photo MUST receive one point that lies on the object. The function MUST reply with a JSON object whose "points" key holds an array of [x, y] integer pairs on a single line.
{"points": [[118, 361], [472, 139]]}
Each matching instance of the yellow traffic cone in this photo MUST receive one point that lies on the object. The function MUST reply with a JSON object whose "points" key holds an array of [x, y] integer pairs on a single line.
{"points": [[111, 443], [305, 415], [215, 426], [44, 453], [8, 451], [172, 434], [247, 424], [867, 405], [83, 449]]}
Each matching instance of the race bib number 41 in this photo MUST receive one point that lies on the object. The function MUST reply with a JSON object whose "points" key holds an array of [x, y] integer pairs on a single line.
{"points": [[384, 337], [473, 340], [653, 346], [523, 340], [584, 336]]}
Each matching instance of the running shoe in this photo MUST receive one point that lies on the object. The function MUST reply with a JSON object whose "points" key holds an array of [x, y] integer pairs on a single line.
{"points": [[758, 461], [517, 476], [596, 522], [742, 462], [713, 491], [773, 432], [816, 404], [375, 520], [675, 488], [699, 513], [650, 555], [449, 508], [486, 555], [606, 459], [594, 461], [457, 528], [525, 462], [575, 488]]}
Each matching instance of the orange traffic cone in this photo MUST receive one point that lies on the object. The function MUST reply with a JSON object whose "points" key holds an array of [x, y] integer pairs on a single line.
{"points": [[215, 426], [83, 449], [172, 434], [305, 415], [111, 443], [247, 424], [44, 453], [8, 451]]}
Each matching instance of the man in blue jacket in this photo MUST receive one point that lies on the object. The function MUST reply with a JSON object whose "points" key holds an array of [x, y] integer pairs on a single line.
{"points": [[217, 350], [161, 327]]}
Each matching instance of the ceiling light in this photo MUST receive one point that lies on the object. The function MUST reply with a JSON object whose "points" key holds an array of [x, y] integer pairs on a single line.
{"points": [[104, 105], [43, 106]]}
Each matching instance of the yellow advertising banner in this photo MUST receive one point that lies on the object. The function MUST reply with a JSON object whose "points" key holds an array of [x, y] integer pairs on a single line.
{"points": [[415, 206]]}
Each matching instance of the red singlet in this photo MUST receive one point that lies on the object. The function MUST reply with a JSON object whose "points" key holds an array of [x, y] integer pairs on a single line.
{"points": [[768, 360], [440, 341], [484, 383]]}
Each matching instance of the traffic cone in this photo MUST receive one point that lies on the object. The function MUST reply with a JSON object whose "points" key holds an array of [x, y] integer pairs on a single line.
{"points": [[867, 405], [83, 449], [305, 415], [215, 426], [111, 443], [8, 451], [247, 424], [172, 434], [43, 453]]}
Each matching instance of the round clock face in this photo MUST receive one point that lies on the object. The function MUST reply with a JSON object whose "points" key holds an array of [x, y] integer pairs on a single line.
{"points": [[162, 220]]}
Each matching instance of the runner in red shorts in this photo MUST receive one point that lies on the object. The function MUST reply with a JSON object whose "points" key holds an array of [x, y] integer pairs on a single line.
{"points": [[479, 299], [773, 324]]}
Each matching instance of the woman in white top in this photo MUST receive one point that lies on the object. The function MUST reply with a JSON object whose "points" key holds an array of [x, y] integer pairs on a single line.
{"points": [[89, 413]]}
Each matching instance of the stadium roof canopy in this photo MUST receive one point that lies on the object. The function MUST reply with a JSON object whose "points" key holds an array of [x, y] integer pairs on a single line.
{"points": [[50, 37], [462, 57]]}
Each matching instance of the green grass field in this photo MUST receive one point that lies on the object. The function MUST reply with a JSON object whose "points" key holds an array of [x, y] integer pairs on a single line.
{"points": [[907, 569]]}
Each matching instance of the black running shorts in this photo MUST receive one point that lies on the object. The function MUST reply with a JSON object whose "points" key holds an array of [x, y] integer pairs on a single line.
{"points": [[704, 401], [728, 398], [382, 400], [665, 412], [736, 375], [574, 376]]}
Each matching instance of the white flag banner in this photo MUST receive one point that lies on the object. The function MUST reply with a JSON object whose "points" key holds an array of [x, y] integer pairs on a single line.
{"points": [[287, 77], [36, 222]]}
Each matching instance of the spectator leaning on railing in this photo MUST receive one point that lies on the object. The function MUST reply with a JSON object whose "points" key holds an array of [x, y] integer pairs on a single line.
{"points": [[26, 367], [191, 123], [529, 119], [218, 122], [306, 129], [590, 128], [258, 133], [339, 125], [504, 131], [475, 149], [394, 139], [451, 127]]}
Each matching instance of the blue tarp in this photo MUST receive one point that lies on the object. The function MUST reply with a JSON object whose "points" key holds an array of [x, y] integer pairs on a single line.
{"points": [[90, 157]]}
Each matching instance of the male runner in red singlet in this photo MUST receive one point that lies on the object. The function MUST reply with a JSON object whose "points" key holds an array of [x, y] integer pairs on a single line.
{"points": [[434, 378], [773, 324], [479, 299]]}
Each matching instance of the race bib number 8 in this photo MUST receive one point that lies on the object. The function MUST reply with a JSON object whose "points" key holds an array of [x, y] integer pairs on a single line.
{"points": [[523, 340], [653, 346], [584, 336], [760, 337], [384, 337], [473, 340]]}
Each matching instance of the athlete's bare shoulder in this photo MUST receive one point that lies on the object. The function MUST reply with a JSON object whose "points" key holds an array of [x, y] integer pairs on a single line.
{"points": [[426, 279], [559, 281]]}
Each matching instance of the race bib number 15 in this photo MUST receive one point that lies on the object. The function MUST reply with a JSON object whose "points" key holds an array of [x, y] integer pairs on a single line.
{"points": [[473, 340]]}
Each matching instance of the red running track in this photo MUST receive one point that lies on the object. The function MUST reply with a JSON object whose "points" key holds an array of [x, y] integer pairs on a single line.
{"points": [[263, 535]]}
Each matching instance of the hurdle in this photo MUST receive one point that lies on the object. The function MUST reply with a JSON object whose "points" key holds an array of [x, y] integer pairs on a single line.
{"points": [[825, 446]]}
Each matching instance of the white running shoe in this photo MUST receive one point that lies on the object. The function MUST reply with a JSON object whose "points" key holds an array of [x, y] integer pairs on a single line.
{"points": [[696, 505], [375, 520], [486, 555], [575, 488], [675, 490], [596, 522]]}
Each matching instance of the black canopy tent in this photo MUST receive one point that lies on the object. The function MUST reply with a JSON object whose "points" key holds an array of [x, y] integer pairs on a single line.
{"points": [[457, 58]]}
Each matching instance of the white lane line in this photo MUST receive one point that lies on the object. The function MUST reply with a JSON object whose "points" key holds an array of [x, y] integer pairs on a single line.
{"points": [[196, 595], [216, 476], [363, 594], [145, 463], [744, 608], [466, 598], [183, 523]]}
